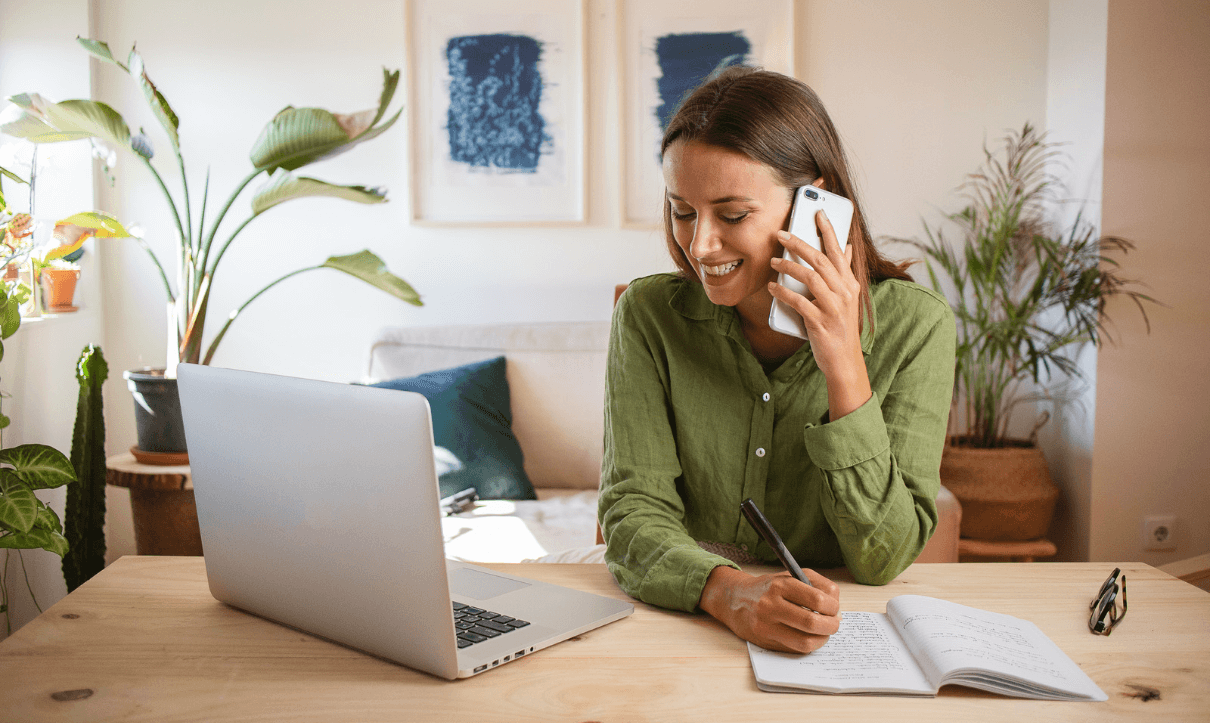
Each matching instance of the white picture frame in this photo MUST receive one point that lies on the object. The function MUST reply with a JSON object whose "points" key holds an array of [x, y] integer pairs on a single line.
{"points": [[766, 25], [519, 161]]}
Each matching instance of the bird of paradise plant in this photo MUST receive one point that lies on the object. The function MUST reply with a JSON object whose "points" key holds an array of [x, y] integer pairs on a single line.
{"points": [[294, 138]]}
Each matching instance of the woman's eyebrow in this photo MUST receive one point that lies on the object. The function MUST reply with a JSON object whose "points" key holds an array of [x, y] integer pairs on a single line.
{"points": [[724, 199]]}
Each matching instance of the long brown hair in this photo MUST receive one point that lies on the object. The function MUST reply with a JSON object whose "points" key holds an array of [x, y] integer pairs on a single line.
{"points": [[780, 122]]}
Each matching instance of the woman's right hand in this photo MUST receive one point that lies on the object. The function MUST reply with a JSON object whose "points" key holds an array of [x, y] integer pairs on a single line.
{"points": [[776, 612]]}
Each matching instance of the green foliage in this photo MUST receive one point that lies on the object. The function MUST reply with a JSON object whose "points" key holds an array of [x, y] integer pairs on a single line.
{"points": [[26, 522], [85, 512], [1025, 298], [294, 138]]}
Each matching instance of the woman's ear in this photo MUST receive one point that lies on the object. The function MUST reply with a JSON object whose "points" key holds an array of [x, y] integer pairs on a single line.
{"points": [[818, 183]]}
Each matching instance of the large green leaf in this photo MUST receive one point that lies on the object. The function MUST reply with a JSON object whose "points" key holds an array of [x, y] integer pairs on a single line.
{"points": [[284, 186], [38, 537], [46, 122], [159, 105], [47, 518], [20, 122], [390, 81], [18, 504], [298, 136], [100, 50], [10, 318], [371, 269], [39, 466]]}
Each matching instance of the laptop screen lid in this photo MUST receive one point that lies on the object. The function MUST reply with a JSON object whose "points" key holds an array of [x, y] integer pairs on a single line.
{"points": [[317, 504]]}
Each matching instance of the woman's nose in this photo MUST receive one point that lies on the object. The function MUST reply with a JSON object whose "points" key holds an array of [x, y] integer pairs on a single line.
{"points": [[706, 238]]}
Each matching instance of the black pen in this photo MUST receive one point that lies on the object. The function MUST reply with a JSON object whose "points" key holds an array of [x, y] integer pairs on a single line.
{"points": [[757, 519]]}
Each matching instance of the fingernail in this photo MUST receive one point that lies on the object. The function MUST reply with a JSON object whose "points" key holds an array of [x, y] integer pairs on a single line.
{"points": [[783, 235]]}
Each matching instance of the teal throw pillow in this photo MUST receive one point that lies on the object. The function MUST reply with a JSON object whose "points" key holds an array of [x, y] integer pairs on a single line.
{"points": [[472, 418]]}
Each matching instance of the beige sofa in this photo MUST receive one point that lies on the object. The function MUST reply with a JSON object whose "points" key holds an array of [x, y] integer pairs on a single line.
{"points": [[556, 377]]}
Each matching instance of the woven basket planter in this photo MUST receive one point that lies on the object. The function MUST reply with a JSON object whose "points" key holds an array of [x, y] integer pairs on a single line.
{"points": [[1006, 492]]}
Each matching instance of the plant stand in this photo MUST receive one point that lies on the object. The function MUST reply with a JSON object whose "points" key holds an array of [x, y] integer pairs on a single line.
{"points": [[161, 504]]}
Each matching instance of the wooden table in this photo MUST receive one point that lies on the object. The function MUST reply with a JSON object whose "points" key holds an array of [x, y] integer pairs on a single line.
{"points": [[144, 640]]}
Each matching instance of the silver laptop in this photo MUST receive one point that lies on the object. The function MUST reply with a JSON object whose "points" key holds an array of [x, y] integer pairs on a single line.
{"points": [[319, 508]]}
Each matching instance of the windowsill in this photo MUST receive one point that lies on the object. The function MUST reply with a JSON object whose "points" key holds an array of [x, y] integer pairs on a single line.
{"points": [[50, 316]]}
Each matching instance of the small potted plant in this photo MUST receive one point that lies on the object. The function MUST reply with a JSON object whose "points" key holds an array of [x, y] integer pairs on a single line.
{"points": [[1026, 296], [294, 138]]}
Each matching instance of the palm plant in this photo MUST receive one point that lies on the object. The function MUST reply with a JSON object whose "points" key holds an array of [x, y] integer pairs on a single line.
{"points": [[294, 138], [1025, 298]]}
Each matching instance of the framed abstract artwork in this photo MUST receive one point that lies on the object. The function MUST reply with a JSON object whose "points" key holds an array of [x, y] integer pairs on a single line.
{"points": [[667, 49], [498, 111]]}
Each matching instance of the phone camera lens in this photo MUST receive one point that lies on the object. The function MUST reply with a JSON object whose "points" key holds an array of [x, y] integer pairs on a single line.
{"points": [[811, 194]]}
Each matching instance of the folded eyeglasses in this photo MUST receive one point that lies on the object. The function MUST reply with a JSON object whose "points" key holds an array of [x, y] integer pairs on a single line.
{"points": [[1105, 614]]}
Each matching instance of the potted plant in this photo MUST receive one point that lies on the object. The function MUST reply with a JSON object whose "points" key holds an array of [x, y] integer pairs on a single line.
{"points": [[1026, 296], [26, 522], [294, 138]]}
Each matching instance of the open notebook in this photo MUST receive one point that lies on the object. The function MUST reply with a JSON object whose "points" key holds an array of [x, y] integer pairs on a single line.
{"points": [[923, 643]]}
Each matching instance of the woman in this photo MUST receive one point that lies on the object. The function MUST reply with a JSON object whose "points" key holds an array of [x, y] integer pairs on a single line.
{"points": [[838, 440]]}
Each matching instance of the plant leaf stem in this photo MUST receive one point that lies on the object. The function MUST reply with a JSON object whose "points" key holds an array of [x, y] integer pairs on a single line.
{"points": [[219, 219]]}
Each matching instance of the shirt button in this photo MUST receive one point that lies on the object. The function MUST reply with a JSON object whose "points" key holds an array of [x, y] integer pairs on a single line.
{"points": [[760, 451], [765, 396]]}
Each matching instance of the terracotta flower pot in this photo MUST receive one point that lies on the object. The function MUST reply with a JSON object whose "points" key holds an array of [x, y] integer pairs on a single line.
{"points": [[60, 286], [1006, 492]]}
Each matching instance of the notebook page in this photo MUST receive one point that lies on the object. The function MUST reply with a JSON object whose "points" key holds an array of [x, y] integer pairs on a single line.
{"points": [[946, 638], [865, 655]]}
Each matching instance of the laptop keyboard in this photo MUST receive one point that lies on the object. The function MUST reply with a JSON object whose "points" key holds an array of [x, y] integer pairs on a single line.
{"points": [[474, 625]]}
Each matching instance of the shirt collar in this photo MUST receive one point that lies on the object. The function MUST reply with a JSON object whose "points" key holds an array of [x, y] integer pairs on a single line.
{"points": [[690, 301]]}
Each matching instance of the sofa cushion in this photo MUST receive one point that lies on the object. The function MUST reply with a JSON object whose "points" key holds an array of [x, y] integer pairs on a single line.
{"points": [[472, 418], [556, 378]]}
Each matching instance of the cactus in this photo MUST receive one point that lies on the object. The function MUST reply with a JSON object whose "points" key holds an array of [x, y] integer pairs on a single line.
{"points": [[84, 526]]}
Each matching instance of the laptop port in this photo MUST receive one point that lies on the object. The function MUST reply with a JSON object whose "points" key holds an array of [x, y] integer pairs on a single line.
{"points": [[495, 663], [518, 654], [481, 668], [505, 659]]}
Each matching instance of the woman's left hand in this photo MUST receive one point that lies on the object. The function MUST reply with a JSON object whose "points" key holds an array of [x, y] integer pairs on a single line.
{"points": [[831, 313]]}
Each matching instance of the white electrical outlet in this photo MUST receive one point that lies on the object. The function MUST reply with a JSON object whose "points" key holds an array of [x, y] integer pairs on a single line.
{"points": [[1159, 532]]}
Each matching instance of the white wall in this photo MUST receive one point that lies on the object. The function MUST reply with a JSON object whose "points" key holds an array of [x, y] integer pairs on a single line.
{"points": [[37, 53], [1152, 417]]}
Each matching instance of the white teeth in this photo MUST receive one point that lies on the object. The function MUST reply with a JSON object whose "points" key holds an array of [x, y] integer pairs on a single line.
{"points": [[720, 270]]}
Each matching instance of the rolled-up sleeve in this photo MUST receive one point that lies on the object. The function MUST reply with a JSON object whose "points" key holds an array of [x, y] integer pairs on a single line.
{"points": [[882, 461]]}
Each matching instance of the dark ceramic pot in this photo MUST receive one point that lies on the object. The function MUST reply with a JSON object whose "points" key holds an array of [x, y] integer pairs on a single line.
{"points": [[157, 411]]}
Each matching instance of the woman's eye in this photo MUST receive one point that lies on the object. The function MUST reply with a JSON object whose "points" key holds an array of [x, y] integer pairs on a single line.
{"points": [[682, 216], [735, 219]]}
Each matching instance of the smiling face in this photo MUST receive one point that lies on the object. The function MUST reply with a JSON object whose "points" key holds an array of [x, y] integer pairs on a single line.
{"points": [[726, 212]]}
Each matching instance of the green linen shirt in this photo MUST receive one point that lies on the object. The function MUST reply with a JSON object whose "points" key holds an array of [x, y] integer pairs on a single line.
{"points": [[693, 426]]}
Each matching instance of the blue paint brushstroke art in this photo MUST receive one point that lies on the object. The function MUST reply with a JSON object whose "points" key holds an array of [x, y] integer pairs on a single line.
{"points": [[495, 91], [687, 59]]}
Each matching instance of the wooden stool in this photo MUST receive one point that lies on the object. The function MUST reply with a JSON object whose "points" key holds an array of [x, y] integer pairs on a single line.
{"points": [[161, 503], [1004, 550]]}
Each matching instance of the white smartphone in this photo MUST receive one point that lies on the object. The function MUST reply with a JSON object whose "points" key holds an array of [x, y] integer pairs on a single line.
{"points": [[808, 200]]}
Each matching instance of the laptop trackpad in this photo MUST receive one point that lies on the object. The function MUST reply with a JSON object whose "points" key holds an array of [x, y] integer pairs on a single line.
{"points": [[481, 585]]}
